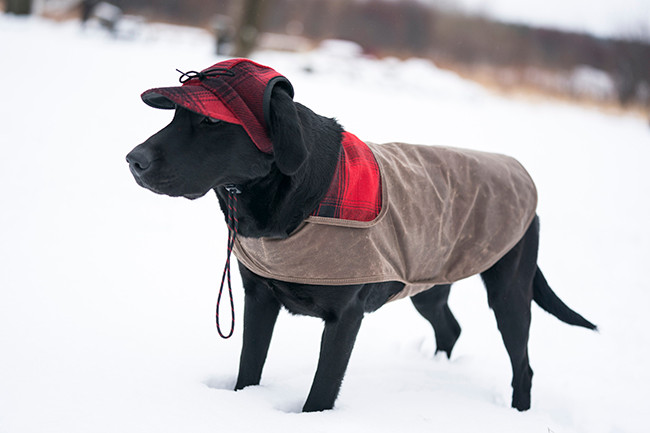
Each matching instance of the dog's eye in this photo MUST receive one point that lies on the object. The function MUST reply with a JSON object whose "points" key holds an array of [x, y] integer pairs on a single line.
{"points": [[210, 120]]}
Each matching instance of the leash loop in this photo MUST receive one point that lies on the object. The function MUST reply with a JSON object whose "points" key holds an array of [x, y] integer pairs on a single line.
{"points": [[233, 226], [208, 73]]}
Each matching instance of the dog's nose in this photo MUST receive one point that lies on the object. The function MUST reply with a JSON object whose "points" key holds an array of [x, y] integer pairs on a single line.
{"points": [[139, 160]]}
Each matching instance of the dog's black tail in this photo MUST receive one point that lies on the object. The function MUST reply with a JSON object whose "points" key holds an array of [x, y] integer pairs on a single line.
{"points": [[549, 301]]}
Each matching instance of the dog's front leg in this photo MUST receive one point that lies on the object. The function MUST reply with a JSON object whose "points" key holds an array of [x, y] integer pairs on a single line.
{"points": [[337, 342], [261, 310]]}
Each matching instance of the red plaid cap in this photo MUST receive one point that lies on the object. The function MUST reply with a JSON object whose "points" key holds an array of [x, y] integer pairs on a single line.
{"points": [[235, 91]]}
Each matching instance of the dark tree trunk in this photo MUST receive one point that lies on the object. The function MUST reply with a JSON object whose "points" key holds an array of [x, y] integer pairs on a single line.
{"points": [[252, 16], [18, 7]]}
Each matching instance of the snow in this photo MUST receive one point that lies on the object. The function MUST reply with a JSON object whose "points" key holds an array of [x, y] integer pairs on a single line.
{"points": [[107, 291]]}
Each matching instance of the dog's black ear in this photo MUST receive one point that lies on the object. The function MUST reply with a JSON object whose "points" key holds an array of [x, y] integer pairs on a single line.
{"points": [[285, 131]]}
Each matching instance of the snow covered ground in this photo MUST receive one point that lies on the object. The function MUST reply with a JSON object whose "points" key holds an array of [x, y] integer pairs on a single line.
{"points": [[107, 291]]}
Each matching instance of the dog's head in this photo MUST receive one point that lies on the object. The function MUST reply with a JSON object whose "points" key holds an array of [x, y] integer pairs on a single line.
{"points": [[225, 131]]}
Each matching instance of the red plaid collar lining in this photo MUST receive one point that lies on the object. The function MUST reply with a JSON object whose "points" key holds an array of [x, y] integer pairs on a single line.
{"points": [[355, 191]]}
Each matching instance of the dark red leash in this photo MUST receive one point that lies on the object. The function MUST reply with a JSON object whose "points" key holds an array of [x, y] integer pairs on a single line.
{"points": [[233, 225]]}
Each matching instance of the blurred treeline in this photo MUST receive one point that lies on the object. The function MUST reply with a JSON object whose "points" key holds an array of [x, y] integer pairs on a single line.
{"points": [[499, 53], [411, 28]]}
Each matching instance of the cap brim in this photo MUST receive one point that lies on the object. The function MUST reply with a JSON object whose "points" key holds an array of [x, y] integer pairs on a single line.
{"points": [[194, 98]]}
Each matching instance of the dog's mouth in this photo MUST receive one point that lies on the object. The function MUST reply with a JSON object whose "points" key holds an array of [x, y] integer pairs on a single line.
{"points": [[194, 196], [165, 187], [142, 182]]}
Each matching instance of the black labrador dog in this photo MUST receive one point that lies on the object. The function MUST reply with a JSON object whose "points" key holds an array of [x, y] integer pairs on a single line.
{"points": [[278, 190]]}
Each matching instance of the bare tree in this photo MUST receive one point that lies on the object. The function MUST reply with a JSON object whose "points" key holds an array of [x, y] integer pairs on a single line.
{"points": [[252, 17]]}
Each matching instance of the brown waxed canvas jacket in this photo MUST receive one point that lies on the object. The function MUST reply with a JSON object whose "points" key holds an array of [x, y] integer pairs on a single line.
{"points": [[446, 214]]}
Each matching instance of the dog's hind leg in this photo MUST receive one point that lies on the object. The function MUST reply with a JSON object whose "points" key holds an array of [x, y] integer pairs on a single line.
{"points": [[261, 310], [509, 286], [432, 305]]}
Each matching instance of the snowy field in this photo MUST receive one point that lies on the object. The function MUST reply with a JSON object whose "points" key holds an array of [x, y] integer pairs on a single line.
{"points": [[107, 291]]}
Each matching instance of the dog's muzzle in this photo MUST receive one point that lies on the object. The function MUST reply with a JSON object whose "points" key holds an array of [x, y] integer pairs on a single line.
{"points": [[139, 161], [145, 168]]}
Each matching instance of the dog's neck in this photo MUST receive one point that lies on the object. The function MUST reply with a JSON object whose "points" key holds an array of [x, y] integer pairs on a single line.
{"points": [[274, 206]]}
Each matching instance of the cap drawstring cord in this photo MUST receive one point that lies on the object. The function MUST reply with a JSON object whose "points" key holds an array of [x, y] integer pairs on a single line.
{"points": [[233, 225], [208, 73]]}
